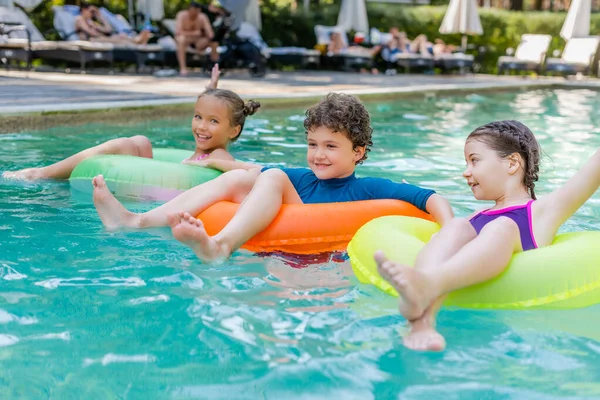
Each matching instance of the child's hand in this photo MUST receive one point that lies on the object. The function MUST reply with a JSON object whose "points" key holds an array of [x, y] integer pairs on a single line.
{"points": [[214, 77]]}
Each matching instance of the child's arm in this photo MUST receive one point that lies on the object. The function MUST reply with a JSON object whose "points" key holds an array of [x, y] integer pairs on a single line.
{"points": [[228, 165], [440, 209], [214, 77], [424, 199], [559, 205]]}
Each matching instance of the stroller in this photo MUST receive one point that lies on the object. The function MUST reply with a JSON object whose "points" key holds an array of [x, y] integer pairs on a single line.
{"points": [[245, 46]]}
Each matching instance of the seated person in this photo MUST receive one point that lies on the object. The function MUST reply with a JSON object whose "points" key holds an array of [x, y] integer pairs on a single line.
{"points": [[336, 44], [440, 47], [91, 25], [339, 136], [419, 45], [399, 41], [192, 28]]}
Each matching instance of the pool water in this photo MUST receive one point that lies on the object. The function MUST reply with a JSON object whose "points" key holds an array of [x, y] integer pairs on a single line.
{"points": [[134, 315]]}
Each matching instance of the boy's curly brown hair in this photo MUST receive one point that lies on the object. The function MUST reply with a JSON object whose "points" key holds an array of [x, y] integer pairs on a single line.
{"points": [[345, 114]]}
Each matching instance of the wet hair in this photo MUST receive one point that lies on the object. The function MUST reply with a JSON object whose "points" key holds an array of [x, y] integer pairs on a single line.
{"points": [[195, 4], [509, 137], [84, 5], [238, 110], [345, 114]]}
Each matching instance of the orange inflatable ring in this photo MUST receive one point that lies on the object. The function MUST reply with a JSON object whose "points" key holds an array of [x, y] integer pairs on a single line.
{"points": [[310, 228]]}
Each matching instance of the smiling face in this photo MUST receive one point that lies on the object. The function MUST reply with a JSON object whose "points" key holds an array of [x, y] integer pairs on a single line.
{"points": [[330, 154], [211, 124], [489, 175]]}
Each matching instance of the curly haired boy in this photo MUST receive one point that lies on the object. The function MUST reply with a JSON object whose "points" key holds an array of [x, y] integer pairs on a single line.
{"points": [[338, 132]]}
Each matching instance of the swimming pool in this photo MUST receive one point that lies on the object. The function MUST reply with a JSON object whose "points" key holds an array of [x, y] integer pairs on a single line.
{"points": [[90, 314]]}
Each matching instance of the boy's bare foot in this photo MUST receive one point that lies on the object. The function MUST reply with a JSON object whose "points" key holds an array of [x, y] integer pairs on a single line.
{"points": [[423, 336], [112, 213], [183, 72], [28, 174], [190, 231], [415, 289]]}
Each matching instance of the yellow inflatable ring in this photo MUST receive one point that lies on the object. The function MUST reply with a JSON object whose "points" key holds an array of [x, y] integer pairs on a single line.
{"points": [[563, 275]]}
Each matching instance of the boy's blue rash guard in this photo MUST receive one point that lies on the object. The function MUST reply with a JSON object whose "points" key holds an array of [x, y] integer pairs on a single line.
{"points": [[314, 190]]}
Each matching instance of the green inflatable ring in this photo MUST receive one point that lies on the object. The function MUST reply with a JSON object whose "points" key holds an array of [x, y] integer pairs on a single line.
{"points": [[160, 178], [563, 275]]}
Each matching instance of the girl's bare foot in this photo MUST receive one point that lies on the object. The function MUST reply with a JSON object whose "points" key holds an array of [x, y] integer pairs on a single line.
{"points": [[112, 213], [28, 174], [423, 336], [416, 291], [190, 231]]}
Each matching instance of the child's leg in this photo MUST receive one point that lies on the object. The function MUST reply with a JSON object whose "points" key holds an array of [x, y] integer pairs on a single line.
{"points": [[272, 189], [232, 186], [479, 260], [138, 146], [441, 247]]}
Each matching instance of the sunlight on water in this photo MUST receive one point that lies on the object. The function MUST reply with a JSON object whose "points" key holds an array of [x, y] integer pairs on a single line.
{"points": [[90, 314]]}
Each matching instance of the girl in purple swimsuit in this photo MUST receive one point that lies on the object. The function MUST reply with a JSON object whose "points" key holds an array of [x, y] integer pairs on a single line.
{"points": [[219, 117], [502, 166]]}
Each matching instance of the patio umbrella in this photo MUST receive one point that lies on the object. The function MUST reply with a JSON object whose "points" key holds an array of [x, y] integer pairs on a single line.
{"points": [[155, 9], [353, 15], [577, 23], [462, 17], [252, 14]]}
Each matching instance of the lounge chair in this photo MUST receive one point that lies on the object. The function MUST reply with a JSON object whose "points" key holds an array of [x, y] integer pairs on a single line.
{"points": [[15, 36], [404, 60], [25, 45], [529, 56], [577, 57], [350, 59], [277, 56], [449, 61], [140, 55], [64, 23]]}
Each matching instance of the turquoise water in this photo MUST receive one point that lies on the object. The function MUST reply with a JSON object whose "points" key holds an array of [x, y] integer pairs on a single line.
{"points": [[90, 314]]}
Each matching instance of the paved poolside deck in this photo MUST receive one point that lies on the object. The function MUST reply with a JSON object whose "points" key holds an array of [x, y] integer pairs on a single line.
{"points": [[28, 95]]}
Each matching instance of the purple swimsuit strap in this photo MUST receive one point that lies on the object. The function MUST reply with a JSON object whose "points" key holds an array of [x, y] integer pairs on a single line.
{"points": [[202, 156]]}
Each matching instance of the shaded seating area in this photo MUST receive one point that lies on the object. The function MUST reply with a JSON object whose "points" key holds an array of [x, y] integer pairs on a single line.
{"points": [[529, 56], [578, 56], [138, 54], [23, 45]]}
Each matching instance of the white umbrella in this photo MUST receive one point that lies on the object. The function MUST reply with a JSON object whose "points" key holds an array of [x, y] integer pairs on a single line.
{"points": [[353, 15], [252, 14], [154, 9], [462, 17], [577, 23]]}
